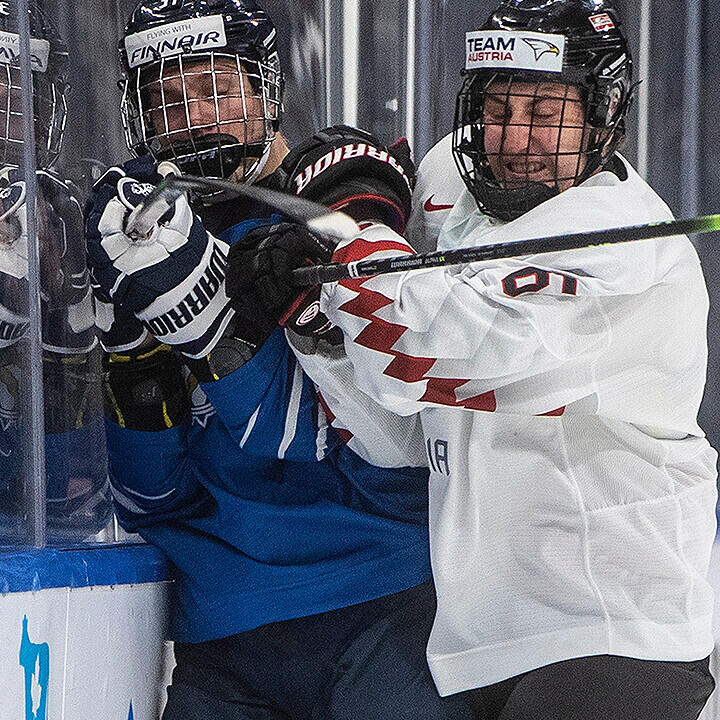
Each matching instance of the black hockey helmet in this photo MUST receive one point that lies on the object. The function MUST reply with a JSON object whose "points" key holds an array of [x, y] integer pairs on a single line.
{"points": [[49, 64], [569, 42], [178, 40]]}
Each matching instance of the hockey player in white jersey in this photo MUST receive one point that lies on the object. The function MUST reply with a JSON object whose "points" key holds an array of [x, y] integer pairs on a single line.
{"points": [[572, 492]]}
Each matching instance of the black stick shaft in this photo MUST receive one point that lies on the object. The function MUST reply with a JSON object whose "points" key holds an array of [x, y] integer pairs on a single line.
{"points": [[319, 274]]}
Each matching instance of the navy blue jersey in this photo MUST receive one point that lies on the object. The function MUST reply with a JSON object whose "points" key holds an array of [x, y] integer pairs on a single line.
{"points": [[266, 514]]}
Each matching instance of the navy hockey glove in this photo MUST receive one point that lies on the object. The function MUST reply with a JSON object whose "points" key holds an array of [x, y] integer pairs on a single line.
{"points": [[349, 169], [63, 270], [120, 330], [260, 269], [68, 315], [63, 261], [63, 274], [174, 280], [67, 312]]}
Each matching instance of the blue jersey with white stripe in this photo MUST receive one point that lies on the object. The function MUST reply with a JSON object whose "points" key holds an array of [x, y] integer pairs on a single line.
{"points": [[267, 515]]}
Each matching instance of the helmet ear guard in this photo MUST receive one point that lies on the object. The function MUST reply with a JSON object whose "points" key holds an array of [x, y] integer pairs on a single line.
{"points": [[608, 104], [607, 101]]}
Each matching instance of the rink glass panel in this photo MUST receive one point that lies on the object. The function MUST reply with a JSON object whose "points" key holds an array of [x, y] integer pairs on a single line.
{"points": [[79, 507], [54, 464], [22, 489], [391, 66]]}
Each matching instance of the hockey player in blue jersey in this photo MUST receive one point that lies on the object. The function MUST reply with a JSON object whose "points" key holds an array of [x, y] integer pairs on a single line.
{"points": [[303, 585]]}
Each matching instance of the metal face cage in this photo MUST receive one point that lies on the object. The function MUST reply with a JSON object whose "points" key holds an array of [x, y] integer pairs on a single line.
{"points": [[50, 114], [520, 140], [213, 114]]}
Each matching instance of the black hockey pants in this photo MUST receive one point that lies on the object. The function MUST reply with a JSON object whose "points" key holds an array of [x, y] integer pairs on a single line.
{"points": [[604, 687], [364, 662]]}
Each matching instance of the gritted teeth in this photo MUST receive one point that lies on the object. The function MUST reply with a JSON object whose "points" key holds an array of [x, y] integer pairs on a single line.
{"points": [[525, 167]]}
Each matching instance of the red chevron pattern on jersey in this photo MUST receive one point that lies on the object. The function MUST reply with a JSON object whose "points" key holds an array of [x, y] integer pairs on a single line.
{"points": [[343, 433], [381, 335]]}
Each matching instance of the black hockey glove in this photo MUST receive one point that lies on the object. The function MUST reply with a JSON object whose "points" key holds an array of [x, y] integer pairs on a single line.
{"points": [[145, 389], [343, 168], [259, 273], [349, 169]]}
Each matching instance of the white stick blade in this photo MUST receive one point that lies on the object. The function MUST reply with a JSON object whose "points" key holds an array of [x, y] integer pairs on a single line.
{"points": [[336, 225]]}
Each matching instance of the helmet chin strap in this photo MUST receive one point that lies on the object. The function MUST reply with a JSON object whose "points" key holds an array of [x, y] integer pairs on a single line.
{"points": [[218, 155], [216, 196], [260, 166], [509, 205]]}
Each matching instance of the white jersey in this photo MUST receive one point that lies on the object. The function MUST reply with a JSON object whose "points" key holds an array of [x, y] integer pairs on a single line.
{"points": [[572, 492], [432, 200], [377, 435]]}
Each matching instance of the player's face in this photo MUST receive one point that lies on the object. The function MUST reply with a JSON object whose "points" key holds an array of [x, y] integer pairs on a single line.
{"points": [[534, 132], [191, 99]]}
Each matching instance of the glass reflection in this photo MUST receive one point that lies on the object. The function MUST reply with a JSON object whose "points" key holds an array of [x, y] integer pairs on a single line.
{"points": [[78, 503]]}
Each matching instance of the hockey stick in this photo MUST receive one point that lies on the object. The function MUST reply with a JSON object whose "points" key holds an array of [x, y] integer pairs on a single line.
{"points": [[317, 218], [332, 272]]}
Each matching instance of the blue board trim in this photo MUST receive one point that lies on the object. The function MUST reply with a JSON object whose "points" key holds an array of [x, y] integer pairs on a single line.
{"points": [[24, 569]]}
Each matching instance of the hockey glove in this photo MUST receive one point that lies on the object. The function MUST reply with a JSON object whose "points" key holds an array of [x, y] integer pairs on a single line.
{"points": [[349, 169], [260, 269], [68, 316], [146, 389], [63, 270], [120, 330], [174, 280], [63, 262], [68, 321]]}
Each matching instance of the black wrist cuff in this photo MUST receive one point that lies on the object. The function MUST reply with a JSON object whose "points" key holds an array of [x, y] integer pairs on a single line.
{"points": [[146, 390], [239, 343]]}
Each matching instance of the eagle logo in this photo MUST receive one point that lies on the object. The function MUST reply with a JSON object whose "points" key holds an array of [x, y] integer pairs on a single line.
{"points": [[540, 47]]}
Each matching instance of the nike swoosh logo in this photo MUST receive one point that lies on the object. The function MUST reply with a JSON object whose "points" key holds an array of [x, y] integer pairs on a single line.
{"points": [[431, 207]]}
